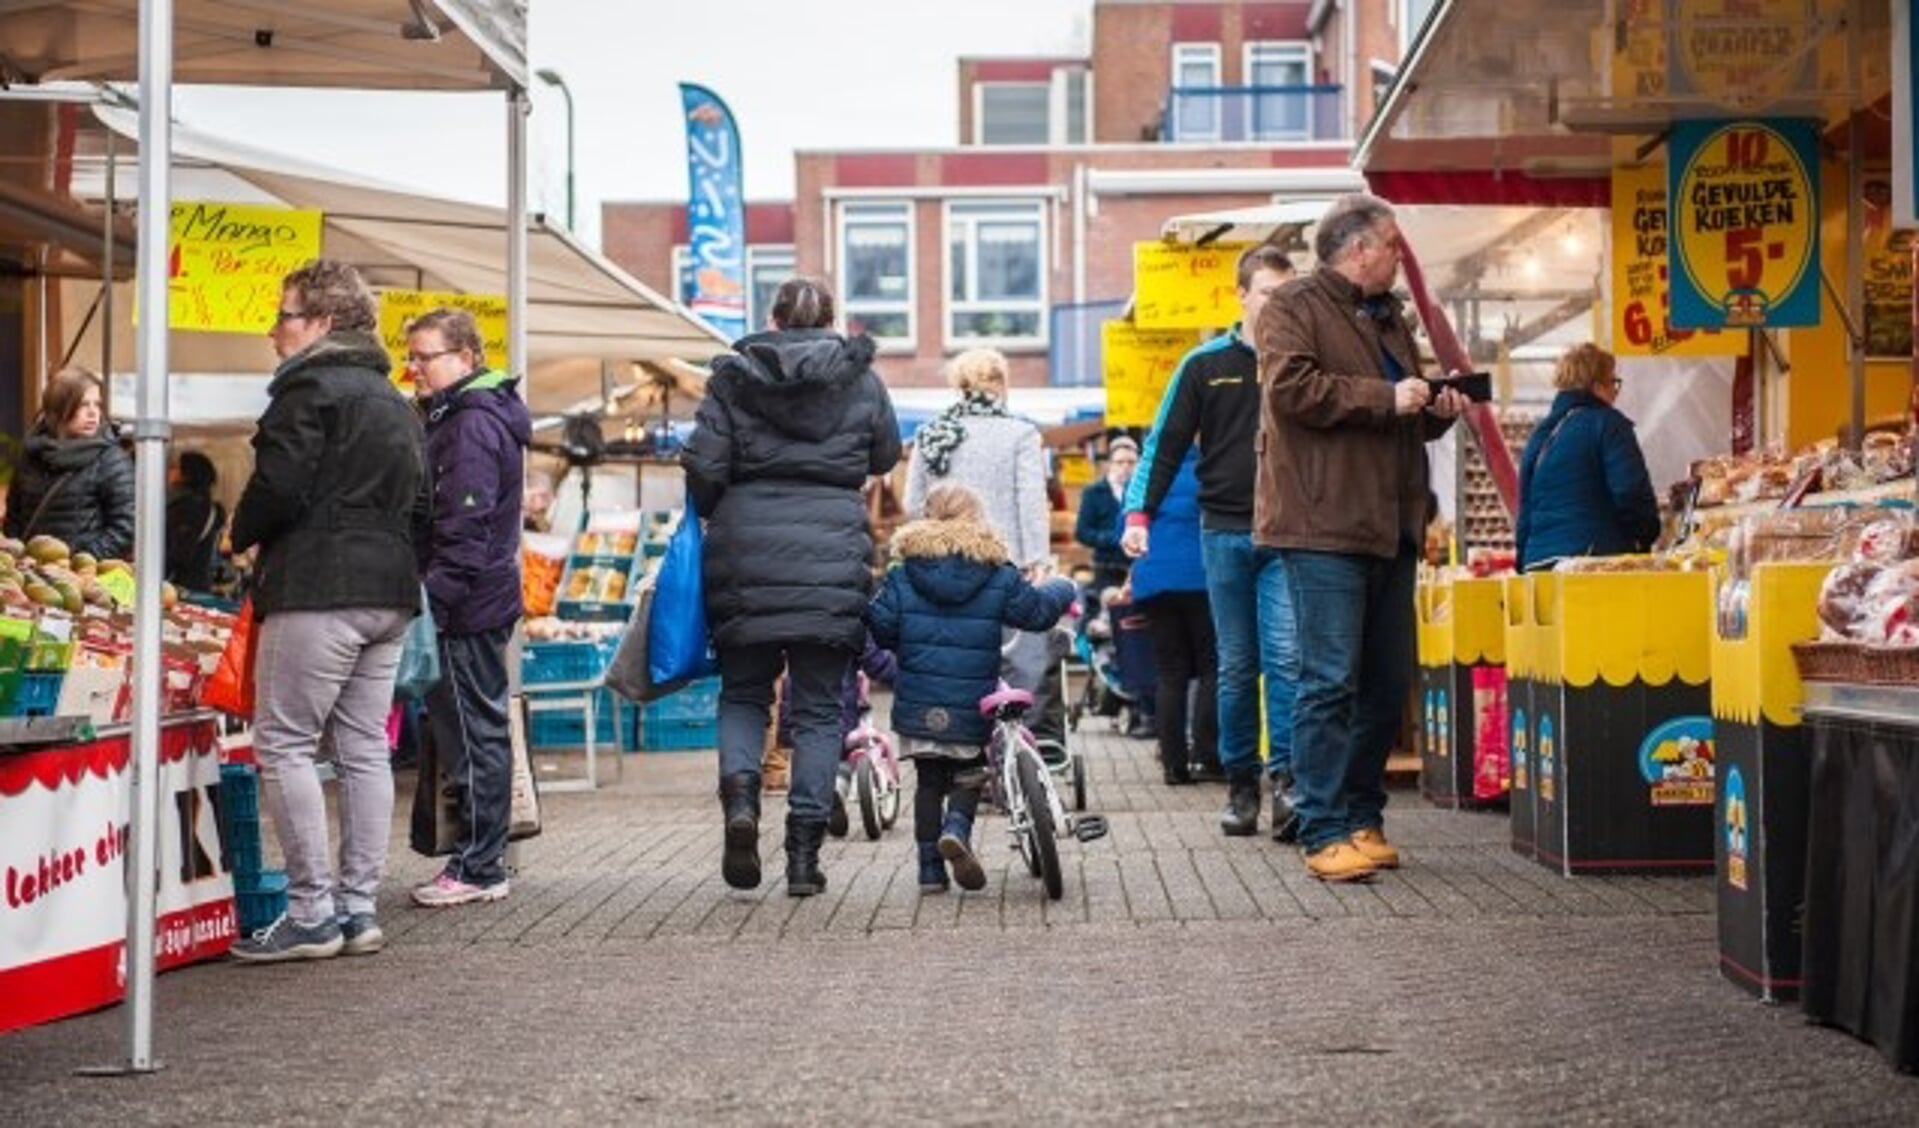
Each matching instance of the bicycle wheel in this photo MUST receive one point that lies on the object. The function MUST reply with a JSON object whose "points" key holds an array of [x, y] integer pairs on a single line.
{"points": [[1079, 782], [890, 803], [867, 784], [1039, 817]]}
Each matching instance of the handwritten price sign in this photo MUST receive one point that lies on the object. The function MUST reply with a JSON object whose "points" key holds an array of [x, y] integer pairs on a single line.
{"points": [[1180, 287], [1745, 212], [225, 263], [1642, 295], [1139, 363], [398, 307]]}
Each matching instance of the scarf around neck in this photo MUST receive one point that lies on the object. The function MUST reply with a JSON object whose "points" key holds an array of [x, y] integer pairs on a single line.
{"points": [[938, 439]]}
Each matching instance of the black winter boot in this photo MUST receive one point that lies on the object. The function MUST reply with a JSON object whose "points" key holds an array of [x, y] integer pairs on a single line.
{"points": [[803, 876], [1241, 816], [740, 802], [1285, 816]]}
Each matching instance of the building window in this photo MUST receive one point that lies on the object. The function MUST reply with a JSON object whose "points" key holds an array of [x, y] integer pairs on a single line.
{"points": [[876, 262], [1280, 106], [996, 273], [682, 273], [1012, 113], [766, 268], [1196, 91], [1411, 16], [1073, 82]]}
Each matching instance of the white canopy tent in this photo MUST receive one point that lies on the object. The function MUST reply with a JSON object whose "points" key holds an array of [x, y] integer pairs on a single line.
{"points": [[580, 306], [470, 45]]}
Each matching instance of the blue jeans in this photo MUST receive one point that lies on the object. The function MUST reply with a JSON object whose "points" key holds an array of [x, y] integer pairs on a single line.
{"points": [[747, 674], [1253, 620], [1356, 666]]}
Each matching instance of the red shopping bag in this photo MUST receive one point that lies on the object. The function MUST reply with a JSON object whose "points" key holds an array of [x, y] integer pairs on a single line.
{"points": [[230, 690]]}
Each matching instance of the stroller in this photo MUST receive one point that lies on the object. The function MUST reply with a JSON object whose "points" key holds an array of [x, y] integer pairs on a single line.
{"points": [[1117, 651]]}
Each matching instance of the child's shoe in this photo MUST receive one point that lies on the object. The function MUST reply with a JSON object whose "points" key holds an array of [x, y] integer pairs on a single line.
{"points": [[932, 868], [956, 847]]}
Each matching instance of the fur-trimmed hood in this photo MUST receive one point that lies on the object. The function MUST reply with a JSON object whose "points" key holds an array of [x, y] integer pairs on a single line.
{"points": [[948, 562]]}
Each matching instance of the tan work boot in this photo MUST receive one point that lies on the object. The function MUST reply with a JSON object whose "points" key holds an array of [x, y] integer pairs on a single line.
{"points": [[1372, 843], [775, 770], [1339, 861]]}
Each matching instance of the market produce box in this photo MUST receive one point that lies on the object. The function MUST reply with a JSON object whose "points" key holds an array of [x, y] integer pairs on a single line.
{"points": [[599, 579], [1622, 738], [1765, 753], [683, 721], [1462, 692], [94, 688], [1521, 631]]}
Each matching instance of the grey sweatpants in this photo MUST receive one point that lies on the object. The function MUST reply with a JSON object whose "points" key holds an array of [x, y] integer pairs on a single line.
{"points": [[328, 674]]}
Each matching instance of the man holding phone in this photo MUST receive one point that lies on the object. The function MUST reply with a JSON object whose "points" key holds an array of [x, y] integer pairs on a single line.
{"points": [[1342, 494]]}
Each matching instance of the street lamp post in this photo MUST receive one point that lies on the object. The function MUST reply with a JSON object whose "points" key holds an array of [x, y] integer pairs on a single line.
{"points": [[552, 78]]}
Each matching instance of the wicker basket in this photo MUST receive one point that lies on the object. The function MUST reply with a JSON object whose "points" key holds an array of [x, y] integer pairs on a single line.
{"points": [[1830, 660], [1891, 665]]}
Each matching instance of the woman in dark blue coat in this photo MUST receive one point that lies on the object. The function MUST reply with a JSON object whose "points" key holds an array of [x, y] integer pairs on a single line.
{"points": [[794, 422], [1583, 486], [1169, 584]]}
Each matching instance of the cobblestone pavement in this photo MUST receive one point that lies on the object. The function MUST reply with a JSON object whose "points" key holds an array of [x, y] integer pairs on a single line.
{"points": [[1185, 978]]}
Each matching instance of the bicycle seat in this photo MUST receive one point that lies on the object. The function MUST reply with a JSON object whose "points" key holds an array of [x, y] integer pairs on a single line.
{"points": [[1005, 701]]}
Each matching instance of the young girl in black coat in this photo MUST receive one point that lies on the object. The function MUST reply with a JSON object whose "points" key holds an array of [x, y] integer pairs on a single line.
{"points": [[940, 611]]}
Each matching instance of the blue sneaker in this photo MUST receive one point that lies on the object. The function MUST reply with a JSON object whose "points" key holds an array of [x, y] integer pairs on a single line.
{"points": [[284, 940], [360, 935], [932, 868], [955, 847]]}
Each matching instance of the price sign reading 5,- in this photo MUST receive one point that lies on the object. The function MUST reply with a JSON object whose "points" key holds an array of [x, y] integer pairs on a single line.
{"points": [[1745, 209]]}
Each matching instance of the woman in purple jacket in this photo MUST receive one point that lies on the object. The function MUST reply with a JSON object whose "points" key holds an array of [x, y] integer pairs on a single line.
{"points": [[477, 430]]}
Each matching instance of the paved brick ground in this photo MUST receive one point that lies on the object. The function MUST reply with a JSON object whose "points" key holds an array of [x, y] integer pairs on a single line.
{"points": [[1186, 978]]}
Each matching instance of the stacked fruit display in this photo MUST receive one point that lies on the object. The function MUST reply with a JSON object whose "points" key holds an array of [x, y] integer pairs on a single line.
{"points": [[44, 572]]}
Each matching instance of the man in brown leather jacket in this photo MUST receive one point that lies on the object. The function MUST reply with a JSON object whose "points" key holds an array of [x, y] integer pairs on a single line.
{"points": [[1342, 493]]}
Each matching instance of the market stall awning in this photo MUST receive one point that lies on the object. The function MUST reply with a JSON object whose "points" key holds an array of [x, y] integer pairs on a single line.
{"points": [[363, 44], [1534, 101]]}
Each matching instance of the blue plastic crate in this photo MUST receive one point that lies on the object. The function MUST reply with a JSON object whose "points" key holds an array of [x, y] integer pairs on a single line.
{"points": [[681, 721], [240, 820], [569, 660], [658, 735], [259, 902], [566, 728], [696, 701], [36, 693]]}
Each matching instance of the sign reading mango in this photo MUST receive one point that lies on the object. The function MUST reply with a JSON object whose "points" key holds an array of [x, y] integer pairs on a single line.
{"points": [[1745, 212], [1642, 322], [225, 263], [1138, 364], [398, 308], [1182, 287]]}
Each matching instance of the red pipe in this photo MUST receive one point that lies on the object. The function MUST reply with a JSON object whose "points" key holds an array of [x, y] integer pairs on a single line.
{"points": [[1453, 358]]}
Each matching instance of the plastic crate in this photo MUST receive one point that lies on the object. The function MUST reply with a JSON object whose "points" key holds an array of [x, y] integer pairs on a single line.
{"points": [[240, 820], [681, 721], [569, 660], [32, 693], [596, 606], [566, 728], [259, 902]]}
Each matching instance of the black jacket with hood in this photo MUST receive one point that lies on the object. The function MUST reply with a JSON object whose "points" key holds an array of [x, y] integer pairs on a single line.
{"points": [[793, 423], [339, 494], [82, 490]]}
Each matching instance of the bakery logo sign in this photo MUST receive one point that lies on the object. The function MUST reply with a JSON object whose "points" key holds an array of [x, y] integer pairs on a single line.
{"points": [[1676, 761], [1744, 244]]}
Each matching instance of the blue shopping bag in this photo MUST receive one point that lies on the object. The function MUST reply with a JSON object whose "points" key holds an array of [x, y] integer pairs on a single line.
{"points": [[419, 668], [678, 645]]}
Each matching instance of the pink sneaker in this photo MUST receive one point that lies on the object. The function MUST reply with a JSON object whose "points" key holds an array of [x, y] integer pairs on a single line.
{"points": [[445, 891]]}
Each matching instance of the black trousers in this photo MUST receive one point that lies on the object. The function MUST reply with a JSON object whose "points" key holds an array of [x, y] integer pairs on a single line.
{"points": [[468, 715], [945, 785], [1184, 649], [747, 674]]}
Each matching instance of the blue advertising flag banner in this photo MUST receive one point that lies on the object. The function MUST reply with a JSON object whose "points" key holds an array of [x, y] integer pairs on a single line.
{"points": [[715, 212], [1905, 127], [1743, 245]]}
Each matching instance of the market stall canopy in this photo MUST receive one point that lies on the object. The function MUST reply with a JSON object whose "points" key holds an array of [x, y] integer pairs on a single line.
{"points": [[363, 44], [580, 307], [1523, 101]]}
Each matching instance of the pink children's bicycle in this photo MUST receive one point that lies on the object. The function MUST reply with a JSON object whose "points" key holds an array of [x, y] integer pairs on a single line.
{"points": [[872, 773]]}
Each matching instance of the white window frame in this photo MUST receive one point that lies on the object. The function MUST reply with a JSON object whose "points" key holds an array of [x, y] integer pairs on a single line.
{"points": [[682, 255], [850, 305], [950, 307], [1300, 51], [1400, 11], [1060, 105], [765, 254], [1053, 125], [1211, 54]]}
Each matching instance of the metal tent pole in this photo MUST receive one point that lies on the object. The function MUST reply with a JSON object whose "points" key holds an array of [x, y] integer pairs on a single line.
{"points": [[517, 105]]}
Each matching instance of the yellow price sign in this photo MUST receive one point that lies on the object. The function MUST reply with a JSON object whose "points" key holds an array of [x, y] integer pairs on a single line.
{"points": [[400, 307], [1138, 364], [1642, 293], [225, 263], [1182, 287], [1745, 217]]}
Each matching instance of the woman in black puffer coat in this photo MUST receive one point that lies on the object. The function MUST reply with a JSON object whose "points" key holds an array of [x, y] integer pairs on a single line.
{"points": [[74, 482], [793, 423]]}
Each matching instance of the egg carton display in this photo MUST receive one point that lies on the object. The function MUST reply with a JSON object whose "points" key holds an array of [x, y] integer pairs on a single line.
{"points": [[600, 575], [1482, 522]]}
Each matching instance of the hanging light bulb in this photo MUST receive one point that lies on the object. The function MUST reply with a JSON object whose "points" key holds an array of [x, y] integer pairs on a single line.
{"points": [[1571, 243], [1530, 268]]}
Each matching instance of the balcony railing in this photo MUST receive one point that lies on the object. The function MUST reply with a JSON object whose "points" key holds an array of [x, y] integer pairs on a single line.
{"points": [[1252, 113]]}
